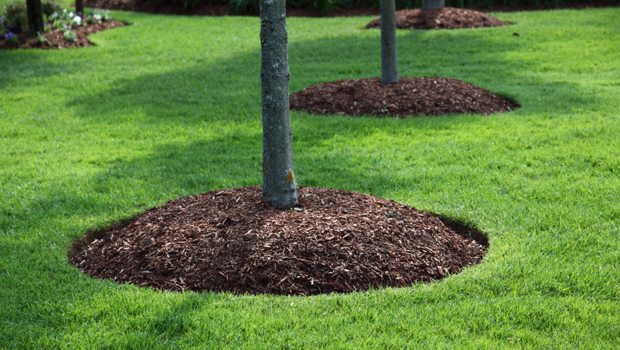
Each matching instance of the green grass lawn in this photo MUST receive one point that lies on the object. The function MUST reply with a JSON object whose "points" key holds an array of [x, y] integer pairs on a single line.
{"points": [[170, 106]]}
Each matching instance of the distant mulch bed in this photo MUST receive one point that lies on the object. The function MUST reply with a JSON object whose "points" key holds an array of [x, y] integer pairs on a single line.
{"points": [[230, 240], [445, 18], [56, 40], [407, 97]]}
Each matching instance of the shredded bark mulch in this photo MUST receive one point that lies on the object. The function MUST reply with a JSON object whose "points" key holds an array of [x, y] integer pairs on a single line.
{"points": [[445, 18], [56, 40], [408, 97], [230, 240]]}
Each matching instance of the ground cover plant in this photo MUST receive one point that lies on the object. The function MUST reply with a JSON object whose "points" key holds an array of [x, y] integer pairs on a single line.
{"points": [[90, 137]]}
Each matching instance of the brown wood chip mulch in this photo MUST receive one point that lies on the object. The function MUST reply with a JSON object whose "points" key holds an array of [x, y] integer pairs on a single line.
{"points": [[230, 240], [445, 18], [407, 97], [56, 40]]}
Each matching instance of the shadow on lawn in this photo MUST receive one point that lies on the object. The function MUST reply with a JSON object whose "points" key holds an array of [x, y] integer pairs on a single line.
{"points": [[229, 90], [30, 65]]}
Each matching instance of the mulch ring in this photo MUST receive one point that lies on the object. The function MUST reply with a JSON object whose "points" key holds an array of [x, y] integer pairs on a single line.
{"points": [[407, 97], [230, 240], [445, 18], [56, 40]]}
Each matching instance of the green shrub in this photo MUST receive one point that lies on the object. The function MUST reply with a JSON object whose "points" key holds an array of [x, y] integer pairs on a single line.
{"points": [[323, 6], [15, 17], [50, 7]]}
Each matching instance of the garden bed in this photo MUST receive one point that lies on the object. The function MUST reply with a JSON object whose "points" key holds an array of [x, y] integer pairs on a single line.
{"points": [[55, 39], [333, 241], [407, 97], [445, 18]]}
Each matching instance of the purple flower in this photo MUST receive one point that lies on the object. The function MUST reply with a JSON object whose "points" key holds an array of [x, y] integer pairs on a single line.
{"points": [[9, 36]]}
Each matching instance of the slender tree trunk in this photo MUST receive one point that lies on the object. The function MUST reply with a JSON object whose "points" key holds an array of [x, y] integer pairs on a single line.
{"points": [[433, 4], [35, 17], [279, 184], [389, 67], [79, 7]]}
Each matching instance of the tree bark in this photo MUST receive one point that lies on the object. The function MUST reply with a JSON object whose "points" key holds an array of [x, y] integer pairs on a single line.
{"points": [[433, 4], [389, 67], [279, 183], [34, 11], [79, 7]]}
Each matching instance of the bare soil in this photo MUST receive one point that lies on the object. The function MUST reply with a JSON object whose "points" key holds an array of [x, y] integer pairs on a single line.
{"points": [[56, 40], [230, 240], [406, 98], [445, 18]]}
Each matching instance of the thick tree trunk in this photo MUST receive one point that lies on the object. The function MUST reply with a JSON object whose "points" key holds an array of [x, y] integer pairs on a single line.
{"points": [[279, 184], [433, 4], [35, 17], [389, 67], [79, 7]]}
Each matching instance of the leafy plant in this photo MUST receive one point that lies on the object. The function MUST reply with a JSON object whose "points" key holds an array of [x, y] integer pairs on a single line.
{"points": [[41, 39], [15, 17], [70, 35], [50, 7], [98, 16], [65, 20], [10, 38]]}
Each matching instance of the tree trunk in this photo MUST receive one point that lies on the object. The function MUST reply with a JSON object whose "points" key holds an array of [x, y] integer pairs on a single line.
{"points": [[433, 4], [35, 17], [389, 67], [279, 183], [79, 7]]}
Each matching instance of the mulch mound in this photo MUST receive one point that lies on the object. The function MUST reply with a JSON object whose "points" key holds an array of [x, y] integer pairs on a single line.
{"points": [[407, 97], [445, 18], [333, 241], [56, 40]]}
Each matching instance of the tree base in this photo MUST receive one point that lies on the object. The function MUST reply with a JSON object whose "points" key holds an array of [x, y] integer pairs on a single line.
{"points": [[333, 241], [408, 97], [445, 18]]}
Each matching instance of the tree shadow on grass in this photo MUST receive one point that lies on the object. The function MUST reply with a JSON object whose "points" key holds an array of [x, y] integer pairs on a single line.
{"points": [[229, 90], [22, 66]]}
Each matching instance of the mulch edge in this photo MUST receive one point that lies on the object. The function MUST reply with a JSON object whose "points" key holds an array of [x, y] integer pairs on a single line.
{"points": [[514, 104], [460, 226], [423, 18]]}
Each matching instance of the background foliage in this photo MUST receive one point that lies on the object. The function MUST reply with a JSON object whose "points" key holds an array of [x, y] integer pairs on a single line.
{"points": [[251, 6]]}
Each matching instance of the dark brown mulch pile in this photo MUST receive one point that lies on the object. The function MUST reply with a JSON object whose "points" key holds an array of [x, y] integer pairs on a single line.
{"points": [[408, 97], [334, 241], [445, 18], [56, 40]]}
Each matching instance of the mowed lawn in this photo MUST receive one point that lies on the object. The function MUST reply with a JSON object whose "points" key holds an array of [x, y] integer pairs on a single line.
{"points": [[170, 106]]}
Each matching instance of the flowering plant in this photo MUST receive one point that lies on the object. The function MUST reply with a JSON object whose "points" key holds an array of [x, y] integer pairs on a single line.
{"points": [[65, 20], [98, 16], [10, 37]]}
